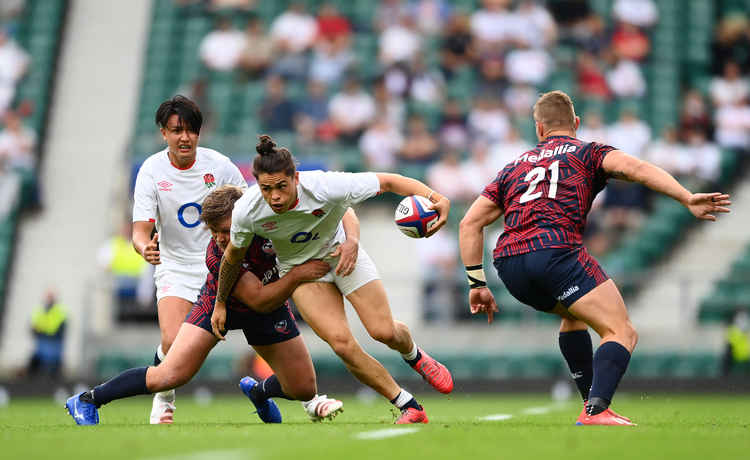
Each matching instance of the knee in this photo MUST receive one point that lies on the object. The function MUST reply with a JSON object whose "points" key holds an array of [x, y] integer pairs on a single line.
{"points": [[343, 345], [385, 335], [627, 335], [162, 378], [632, 335]]}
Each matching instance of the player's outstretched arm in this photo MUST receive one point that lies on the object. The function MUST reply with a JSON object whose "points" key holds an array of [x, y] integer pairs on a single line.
{"points": [[229, 271], [406, 186], [264, 299], [349, 249], [471, 242], [144, 244], [704, 206]]}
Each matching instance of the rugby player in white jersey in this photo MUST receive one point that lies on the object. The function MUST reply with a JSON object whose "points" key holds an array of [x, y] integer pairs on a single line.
{"points": [[169, 190], [300, 212]]}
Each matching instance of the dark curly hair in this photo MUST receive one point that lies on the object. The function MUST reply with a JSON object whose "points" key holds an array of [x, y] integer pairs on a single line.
{"points": [[272, 159]]}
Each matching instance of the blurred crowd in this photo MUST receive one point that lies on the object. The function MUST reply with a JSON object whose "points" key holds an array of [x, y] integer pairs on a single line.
{"points": [[447, 94], [17, 142]]}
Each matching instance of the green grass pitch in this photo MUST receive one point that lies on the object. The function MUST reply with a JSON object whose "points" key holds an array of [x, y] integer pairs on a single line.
{"points": [[525, 427]]}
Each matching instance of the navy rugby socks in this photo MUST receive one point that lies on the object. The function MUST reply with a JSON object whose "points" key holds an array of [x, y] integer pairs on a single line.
{"points": [[268, 388], [414, 356], [404, 400], [132, 382], [577, 350], [610, 362]]}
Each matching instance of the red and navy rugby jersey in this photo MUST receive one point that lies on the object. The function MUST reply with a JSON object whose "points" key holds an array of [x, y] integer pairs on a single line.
{"points": [[546, 194], [260, 259]]}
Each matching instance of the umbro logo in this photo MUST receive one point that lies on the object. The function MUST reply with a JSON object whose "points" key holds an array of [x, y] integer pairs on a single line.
{"points": [[318, 213], [165, 186]]}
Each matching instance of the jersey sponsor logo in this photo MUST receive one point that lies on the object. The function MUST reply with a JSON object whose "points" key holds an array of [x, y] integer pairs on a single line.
{"points": [[281, 327], [304, 237], [181, 215], [209, 180], [568, 292], [533, 158], [268, 275], [268, 248], [318, 213], [268, 226], [165, 186]]}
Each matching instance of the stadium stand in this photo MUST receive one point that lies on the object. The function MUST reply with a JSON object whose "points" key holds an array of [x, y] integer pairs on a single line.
{"points": [[38, 31], [232, 99]]}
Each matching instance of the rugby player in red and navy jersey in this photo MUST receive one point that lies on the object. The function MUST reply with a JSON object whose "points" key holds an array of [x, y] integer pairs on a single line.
{"points": [[545, 195]]}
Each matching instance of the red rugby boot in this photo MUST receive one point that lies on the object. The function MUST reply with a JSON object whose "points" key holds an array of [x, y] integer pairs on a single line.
{"points": [[411, 415], [434, 373], [617, 415], [611, 412], [603, 418]]}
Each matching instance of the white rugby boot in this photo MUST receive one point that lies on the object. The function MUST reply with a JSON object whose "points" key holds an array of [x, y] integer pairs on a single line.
{"points": [[163, 407], [321, 407]]}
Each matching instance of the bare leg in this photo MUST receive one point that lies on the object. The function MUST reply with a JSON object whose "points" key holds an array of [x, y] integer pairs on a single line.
{"points": [[292, 365], [322, 307], [172, 312], [604, 310], [371, 303], [189, 350]]}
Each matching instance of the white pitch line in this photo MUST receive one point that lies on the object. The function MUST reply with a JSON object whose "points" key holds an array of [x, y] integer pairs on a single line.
{"points": [[227, 454], [536, 410], [496, 417], [386, 433]]}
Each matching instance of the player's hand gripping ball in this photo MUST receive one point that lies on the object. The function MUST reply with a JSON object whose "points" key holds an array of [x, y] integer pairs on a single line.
{"points": [[413, 216]]}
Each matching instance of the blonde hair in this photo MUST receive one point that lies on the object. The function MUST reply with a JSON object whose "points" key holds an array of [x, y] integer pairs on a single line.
{"points": [[219, 204], [555, 110]]}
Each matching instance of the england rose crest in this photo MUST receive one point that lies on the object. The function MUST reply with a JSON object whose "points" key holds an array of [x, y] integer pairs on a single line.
{"points": [[209, 180]]}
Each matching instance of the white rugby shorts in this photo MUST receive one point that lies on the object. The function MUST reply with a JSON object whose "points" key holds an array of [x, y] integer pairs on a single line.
{"points": [[184, 281], [364, 272]]}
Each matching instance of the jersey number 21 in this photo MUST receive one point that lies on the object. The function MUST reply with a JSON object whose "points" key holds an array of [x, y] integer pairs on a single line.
{"points": [[535, 176]]}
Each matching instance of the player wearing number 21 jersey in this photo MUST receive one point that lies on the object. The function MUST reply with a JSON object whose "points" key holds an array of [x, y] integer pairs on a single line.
{"points": [[546, 194], [567, 173]]}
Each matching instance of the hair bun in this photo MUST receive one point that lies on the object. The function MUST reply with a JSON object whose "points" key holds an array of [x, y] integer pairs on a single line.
{"points": [[266, 145]]}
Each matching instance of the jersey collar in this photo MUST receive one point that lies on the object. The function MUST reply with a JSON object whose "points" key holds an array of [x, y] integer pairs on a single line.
{"points": [[186, 167]]}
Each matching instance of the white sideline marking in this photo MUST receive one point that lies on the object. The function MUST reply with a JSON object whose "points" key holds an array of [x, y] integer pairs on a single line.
{"points": [[227, 454], [536, 410], [496, 417], [386, 433]]}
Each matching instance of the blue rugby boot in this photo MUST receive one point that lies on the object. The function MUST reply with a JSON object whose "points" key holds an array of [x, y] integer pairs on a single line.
{"points": [[83, 413], [267, 410]]}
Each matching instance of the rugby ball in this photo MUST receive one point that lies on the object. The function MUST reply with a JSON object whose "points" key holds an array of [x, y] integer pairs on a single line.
{"points": [[413, 216]]}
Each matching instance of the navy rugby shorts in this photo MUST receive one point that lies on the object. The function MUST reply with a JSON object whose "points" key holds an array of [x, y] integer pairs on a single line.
{"points": [[542, 278], [259, 328]]}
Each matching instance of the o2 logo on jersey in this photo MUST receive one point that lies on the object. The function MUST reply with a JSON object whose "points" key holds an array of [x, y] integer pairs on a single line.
{"points": [[304, 237], [185, 211]]}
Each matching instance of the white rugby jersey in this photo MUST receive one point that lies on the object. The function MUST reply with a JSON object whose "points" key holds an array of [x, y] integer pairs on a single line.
{"points": [[312, 227], [172, 198]]}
